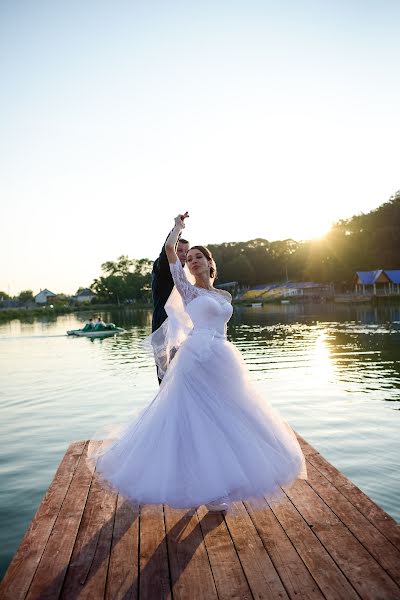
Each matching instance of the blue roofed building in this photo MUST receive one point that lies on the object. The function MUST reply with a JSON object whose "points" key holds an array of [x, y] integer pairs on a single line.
{"points": [[394, 276], [378, 282]]}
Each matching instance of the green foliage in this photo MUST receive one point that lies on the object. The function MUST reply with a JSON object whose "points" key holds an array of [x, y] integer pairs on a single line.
{"points": [[25, 296], [28, 315], [60, 300], [120, 283], [254, 262], [120, 267], [4, 296], [364, 242]]}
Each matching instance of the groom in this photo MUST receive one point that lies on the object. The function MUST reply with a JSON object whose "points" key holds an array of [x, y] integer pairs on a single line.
{"points": [[162, 283]]}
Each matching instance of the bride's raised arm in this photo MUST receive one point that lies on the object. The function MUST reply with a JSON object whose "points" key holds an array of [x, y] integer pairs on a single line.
{"points": [[186, 290], [170, 244]]}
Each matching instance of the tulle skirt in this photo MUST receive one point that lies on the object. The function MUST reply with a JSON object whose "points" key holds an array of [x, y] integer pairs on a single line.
{"points": [[207, 436]]}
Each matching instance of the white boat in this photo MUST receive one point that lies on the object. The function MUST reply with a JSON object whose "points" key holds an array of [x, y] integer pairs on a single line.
{"points": [[94, 332]]}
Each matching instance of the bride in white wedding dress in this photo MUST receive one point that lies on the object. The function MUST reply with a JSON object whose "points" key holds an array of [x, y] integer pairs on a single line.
{"points": [[207, 437]]}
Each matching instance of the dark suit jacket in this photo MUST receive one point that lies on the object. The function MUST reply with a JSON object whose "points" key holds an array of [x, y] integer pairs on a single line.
{"points": [[161, 287]]}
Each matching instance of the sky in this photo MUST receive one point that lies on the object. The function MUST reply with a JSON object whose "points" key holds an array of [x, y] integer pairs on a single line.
{"points": [[261, 118]]}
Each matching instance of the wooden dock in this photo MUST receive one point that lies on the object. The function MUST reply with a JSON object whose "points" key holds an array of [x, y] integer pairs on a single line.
{"points": [[324, 539]]}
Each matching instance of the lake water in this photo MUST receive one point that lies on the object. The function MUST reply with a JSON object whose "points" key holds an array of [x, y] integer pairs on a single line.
{"points": [[332, 371]]}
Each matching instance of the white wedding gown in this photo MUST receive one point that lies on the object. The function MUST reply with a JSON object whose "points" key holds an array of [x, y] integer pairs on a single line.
{"points": [[208, 435]]}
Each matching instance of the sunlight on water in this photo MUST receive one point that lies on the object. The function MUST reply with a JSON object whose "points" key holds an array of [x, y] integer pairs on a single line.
{"points": [[333, 372]]}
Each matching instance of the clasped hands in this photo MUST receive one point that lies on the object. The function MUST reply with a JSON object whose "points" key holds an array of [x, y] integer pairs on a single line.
{"points": [[180, 220]]}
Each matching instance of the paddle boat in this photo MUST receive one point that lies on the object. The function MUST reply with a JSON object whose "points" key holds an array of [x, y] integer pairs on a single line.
{"points": [[98, 330]]}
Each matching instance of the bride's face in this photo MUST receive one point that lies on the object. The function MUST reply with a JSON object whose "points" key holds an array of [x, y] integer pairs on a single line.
{"points": [[197, 262]]}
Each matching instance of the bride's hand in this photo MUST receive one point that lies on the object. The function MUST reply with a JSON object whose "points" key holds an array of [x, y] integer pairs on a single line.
{"points": [[180, 220]]}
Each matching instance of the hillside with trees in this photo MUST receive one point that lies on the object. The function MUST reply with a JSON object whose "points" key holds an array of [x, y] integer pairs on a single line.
{"points": [[364, 242]]}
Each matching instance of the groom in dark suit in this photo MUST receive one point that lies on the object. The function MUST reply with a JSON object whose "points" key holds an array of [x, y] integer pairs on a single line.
{"points": [[162, 283]]}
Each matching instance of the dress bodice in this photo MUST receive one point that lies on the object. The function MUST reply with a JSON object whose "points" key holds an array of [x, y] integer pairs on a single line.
{"points": [[208, 312], [207, 309]]}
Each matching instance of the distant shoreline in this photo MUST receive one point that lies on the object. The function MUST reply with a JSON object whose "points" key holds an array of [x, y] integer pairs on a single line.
{"points": [[27, 314]]}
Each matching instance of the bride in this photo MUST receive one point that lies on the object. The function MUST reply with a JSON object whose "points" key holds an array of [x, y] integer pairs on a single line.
{"points": [[207, 437]]}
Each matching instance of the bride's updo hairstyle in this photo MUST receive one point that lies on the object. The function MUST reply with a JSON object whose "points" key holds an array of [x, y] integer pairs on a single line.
{"points": [[206, 252]]}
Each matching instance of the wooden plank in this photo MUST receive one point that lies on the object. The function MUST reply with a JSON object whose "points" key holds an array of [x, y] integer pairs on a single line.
{"points": [[320, 564], [190, 569], [87, 571], [307, 449], [123, 571], [154, 577], [324, 539], [21, 571], [371, 538], [261, 574], [360, 568], [49, 576], [293, 572], [374, 513], [227, 571]]}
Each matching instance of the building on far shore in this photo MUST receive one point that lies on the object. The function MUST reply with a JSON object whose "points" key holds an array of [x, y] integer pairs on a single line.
{"points": [[394, 276], [305, 290], [44, 296], [379, 283], [85, 295]]}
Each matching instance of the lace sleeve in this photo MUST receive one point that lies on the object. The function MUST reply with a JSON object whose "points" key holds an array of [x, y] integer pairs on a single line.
{"points": [[187, 291]]}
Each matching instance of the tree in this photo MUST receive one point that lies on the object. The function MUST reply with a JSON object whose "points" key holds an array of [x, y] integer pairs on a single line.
{"points": [[239, 269], [26, 296], [121, 266], [120, 283], [143, 266], [110, 289]]}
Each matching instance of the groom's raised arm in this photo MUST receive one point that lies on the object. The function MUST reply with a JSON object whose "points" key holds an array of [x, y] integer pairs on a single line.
{"points": [[162, 261]]}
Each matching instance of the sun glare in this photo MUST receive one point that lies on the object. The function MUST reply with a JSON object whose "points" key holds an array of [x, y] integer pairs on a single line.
{"points": [[321, 359], [310, 230]]}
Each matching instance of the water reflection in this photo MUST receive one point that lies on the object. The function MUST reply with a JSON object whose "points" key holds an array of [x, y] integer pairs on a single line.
{"points": [[332, 371], [356, 348]]}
